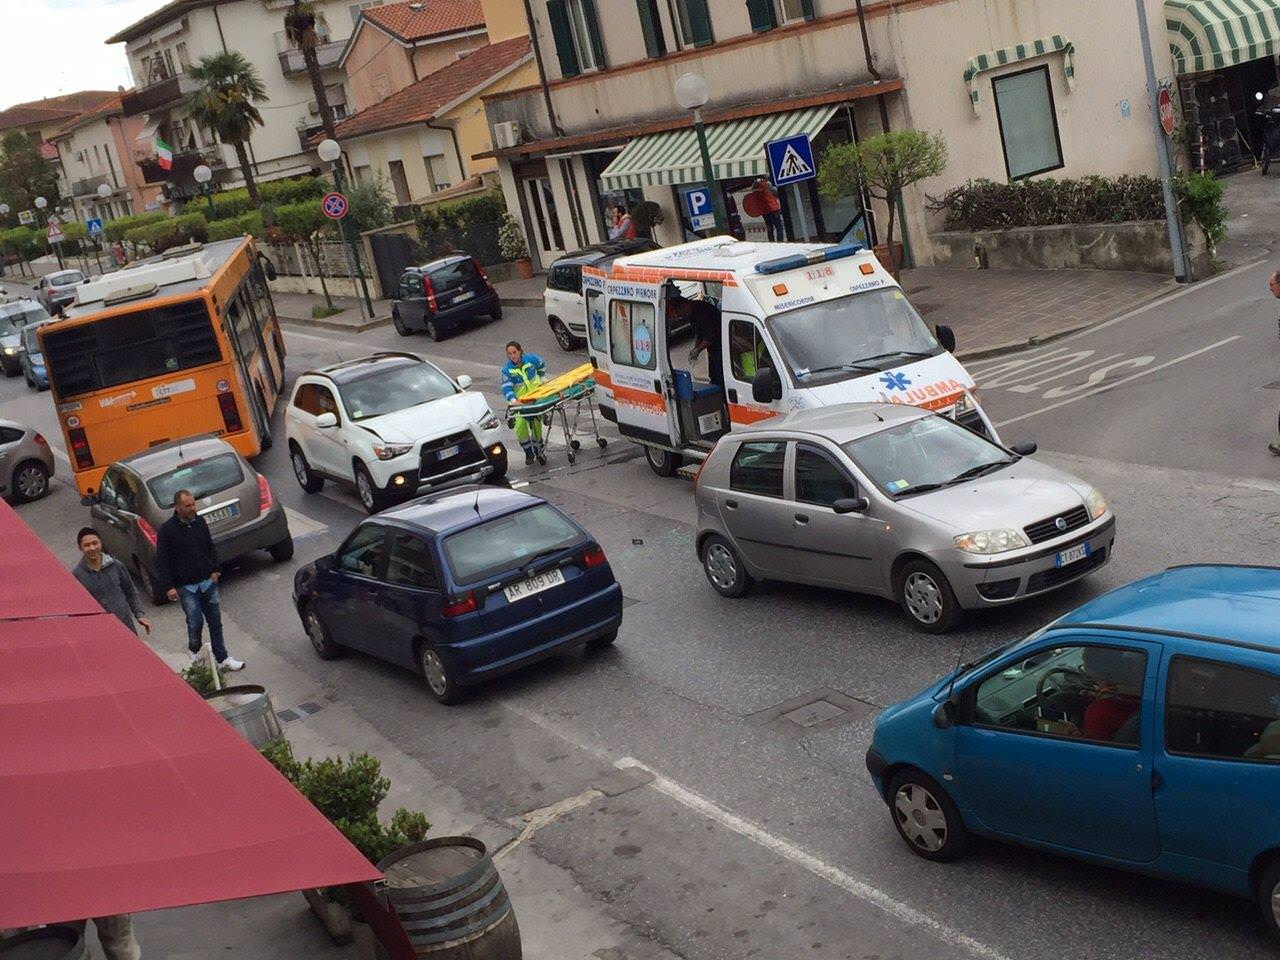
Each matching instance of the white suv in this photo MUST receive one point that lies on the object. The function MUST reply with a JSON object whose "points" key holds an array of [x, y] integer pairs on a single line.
{"points": [[390, 424]]}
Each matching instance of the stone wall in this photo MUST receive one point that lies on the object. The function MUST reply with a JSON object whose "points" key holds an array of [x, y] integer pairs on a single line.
{"points": [[1140, 246]]}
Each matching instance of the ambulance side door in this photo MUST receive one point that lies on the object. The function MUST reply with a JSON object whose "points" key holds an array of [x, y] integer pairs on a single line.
{"points": [[638, 371], [598, 338], [747, 351]]}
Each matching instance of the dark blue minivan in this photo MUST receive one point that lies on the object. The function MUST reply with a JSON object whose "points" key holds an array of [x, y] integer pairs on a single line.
{"points": [[1141, 731], [463, 586]]}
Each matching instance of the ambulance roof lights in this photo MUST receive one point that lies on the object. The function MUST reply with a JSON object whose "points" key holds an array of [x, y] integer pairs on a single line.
{"points": [[796, 260]]}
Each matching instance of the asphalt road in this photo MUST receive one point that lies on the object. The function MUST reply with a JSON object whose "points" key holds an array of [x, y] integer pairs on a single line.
{"points": [[753, 840]]}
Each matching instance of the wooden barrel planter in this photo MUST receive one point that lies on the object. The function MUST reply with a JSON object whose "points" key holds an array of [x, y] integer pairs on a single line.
{"points": [[49, 943], [451, 901], [247, 708]]}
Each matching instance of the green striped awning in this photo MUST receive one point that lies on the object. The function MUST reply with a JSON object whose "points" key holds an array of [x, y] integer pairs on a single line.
{"points": [[1017, 53], [1212, 34], [736, 147]]}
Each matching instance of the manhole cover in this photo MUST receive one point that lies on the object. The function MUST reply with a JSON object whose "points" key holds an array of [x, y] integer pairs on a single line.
{"points": [[812, 714]]}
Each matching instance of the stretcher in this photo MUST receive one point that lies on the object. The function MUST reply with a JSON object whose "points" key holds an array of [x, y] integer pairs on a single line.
{"points": [[574, 389]]}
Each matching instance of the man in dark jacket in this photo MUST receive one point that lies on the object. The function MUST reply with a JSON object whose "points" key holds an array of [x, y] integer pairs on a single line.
{"points": [[107, 580], [187, 568]]}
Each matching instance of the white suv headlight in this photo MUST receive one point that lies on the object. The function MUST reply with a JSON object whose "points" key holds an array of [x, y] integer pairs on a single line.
{"points": [[389, 451], [991, 541], [1096, 503]]}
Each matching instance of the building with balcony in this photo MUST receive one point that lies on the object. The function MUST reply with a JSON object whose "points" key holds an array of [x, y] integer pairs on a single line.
{"points": [[395, 45], [163, 46], [1017, 88]]}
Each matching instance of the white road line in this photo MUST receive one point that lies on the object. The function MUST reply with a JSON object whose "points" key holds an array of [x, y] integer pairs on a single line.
{"points": [[1117, 383], [834, 875]]}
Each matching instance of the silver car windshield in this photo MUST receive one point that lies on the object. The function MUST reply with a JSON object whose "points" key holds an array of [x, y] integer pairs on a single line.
{"points": [[853, 335], [200, 477], [925, 454], [396, 389]]}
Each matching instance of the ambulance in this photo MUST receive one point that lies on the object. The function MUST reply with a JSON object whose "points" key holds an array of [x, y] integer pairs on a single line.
{"points": [[802, 326]]}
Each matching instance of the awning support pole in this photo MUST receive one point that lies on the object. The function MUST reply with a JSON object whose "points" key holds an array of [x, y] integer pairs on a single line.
{"points": [[386, 926]]}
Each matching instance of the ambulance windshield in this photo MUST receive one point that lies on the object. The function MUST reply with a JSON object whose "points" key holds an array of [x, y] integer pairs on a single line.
{"points": [[852, 336]]}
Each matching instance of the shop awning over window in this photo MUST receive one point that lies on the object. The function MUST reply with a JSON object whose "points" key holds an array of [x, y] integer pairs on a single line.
{"points": [[736, 147], [1212, 34], [1016, 54], [120, 790]]}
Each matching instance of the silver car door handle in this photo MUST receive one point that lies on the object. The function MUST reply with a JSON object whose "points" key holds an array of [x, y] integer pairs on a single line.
{"points": [[801, 519], [731, 504]]}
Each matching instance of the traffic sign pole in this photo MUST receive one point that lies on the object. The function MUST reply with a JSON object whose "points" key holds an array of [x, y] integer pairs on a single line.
{"points": [[338, 211], [709, 174]]}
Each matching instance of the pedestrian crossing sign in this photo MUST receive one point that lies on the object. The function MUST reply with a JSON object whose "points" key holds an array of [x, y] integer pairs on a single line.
{"points": [[790, 160]]}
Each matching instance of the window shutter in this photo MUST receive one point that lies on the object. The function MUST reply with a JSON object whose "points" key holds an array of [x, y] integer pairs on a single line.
{"points": [[654, 43], [563, 34], [762, 18], [593, 28], [806, 7], [699, 22]]}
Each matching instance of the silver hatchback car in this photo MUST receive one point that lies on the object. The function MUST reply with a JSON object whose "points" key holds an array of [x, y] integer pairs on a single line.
{"points": [[136, 497], [26, 462], [894, 501]]}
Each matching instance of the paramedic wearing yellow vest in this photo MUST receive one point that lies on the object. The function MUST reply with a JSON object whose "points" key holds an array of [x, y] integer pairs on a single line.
{"points": [[521, 373]]}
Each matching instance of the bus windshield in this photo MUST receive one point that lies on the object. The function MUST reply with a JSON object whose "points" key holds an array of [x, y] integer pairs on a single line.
{"points": [[132, 346], [850, 336]]}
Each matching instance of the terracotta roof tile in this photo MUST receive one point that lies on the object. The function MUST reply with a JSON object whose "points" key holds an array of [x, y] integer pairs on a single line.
{"points": [[424, 99], [106, 108], [420, 19], [52, 109]]}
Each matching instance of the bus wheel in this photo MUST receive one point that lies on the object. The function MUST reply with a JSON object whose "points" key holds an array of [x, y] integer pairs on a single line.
{"points": [[663, 462]]}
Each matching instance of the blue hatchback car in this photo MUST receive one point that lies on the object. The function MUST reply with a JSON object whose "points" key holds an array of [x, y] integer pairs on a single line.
{"points": [[1141, 731], [463, 586]]}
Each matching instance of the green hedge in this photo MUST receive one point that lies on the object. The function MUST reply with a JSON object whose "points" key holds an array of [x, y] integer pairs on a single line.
{"points": [[236, 203], [484, 208], [171, 232], [116, 229], [25, 243], [250, 223]]}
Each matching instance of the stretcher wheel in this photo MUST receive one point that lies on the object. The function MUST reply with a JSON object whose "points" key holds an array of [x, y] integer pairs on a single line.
{"points": [[576, 445], [602, 442], [572, 456]]}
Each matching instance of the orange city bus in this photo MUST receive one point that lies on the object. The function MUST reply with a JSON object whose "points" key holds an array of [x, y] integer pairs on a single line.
{"points": [[179, 345]]}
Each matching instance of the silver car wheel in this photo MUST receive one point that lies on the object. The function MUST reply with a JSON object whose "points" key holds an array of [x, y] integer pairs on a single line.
{"points": [[920, 817], [923, 597], [315, 632], [300, 469], [31, 482], [433, 670], [722, 569], [364, 487]]}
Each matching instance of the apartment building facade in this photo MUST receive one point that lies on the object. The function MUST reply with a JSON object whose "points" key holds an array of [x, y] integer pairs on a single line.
{"points": [[95, 149], [1017, 88], [163, 46]]}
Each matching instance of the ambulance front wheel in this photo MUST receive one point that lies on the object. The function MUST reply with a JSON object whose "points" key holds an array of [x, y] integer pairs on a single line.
{"points": [[663, 462]]}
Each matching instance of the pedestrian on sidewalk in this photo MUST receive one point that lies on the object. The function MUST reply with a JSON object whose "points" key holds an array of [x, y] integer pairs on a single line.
{"points": [[108, 581], [1274, 284], [522, 373], [770, 210], [187, 567], [624, 228]]}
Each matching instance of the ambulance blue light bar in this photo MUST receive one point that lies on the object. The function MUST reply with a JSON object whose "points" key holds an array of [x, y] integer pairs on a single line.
{"points": [[797, 260]]}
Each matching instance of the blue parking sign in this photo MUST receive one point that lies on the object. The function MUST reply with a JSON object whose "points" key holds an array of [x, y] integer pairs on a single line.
{"points": [[791, 160], [698, 208]]}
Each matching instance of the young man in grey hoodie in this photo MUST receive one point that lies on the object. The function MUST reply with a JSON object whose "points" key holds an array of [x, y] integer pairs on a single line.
{"points": [[108, 581]]}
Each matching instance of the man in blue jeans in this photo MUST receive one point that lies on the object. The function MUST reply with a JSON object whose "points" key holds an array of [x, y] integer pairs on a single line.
{"points": [[187, 567]]}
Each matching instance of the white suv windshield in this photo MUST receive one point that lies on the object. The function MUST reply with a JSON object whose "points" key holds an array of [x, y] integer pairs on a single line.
{"points": [[399, 388], [860, 333], [925, 454]]}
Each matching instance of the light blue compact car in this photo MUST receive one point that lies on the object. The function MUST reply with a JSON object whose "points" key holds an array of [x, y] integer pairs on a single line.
{"points": [[1139, 731]]}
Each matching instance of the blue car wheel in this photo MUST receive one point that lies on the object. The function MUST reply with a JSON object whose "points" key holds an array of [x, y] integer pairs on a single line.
{"points": [[926, 818]]}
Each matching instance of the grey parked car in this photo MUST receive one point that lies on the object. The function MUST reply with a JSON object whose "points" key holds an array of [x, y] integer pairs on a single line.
{"points": [[26, 462], [58, 289], [14, 316], [136, 497], [894, 501]]}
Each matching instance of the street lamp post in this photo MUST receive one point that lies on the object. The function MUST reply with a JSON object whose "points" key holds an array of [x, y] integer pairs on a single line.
{"points": [[329, 152], [104, 193], [4, 214], [692, 94], [41, 203], [202, 176]]}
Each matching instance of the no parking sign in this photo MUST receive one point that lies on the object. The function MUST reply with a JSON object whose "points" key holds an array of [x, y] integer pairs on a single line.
{"points": [[334, 205]]}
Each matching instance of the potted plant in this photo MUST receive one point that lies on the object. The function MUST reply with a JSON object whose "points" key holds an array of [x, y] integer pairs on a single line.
{"points": [[348, 791], [512, 247]]}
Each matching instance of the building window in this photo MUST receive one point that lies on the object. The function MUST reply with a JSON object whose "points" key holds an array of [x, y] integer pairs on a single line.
{"points": [[576, 31], [184, 60], [1028, 123], [398, 180], [791, 11], [695, 22], [363, 174], [437, 172], [655, 42], [355, 8]]}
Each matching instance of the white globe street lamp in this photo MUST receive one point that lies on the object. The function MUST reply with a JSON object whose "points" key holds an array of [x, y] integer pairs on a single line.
{"points": [[203, 175], [692, 93], [104, 191], [4, 209], [329, 150], [41, 203]]}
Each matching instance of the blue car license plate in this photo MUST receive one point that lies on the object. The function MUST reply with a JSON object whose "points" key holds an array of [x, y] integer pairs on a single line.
{"points": [[1065, 557]]}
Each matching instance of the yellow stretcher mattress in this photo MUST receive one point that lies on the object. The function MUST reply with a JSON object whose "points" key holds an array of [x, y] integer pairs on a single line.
{"points": [[558, 384]]}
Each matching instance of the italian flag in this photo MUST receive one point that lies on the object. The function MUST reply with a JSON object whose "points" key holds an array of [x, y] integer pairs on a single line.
{"points": [[164, 153]]}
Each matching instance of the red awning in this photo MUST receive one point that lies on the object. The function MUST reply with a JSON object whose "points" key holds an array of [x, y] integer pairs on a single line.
{"points": [[120, 789]]}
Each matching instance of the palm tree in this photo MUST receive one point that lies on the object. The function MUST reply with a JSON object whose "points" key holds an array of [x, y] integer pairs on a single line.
{"points": [[300, 28], [226, 105]]}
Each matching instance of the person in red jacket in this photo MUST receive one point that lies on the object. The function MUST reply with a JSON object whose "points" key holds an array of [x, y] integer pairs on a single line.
{"points": [[770, 209]]}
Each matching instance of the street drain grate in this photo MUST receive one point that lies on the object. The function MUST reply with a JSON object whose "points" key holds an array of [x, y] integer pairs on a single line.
{"points": [[290, 714], [808, 713]]}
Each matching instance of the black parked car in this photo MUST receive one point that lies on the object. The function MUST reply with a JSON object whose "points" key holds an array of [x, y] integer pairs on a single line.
{"points": [[439, 297]]}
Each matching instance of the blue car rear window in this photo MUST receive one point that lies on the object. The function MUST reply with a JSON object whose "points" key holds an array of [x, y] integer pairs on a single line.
{"points": [[498, 546]]}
